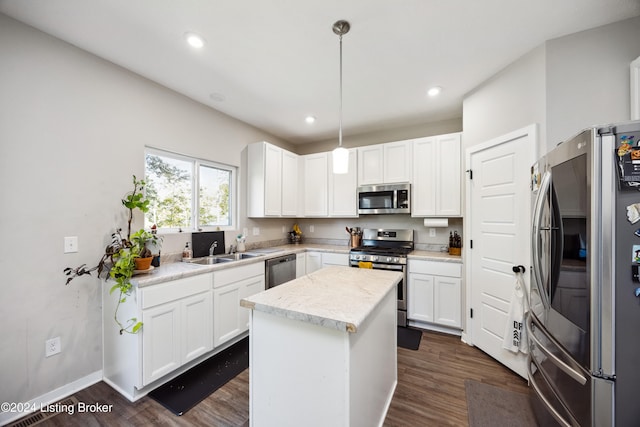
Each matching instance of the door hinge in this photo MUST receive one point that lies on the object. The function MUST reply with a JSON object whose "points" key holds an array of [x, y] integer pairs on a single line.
{"points": [[471, 313], [470, 173]]}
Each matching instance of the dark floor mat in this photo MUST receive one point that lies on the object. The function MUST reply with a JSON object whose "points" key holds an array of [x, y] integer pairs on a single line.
{"points": [[409, 338], [190, 388], [494, 406]]}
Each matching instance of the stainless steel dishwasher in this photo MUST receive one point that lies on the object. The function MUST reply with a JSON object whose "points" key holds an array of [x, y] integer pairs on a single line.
{"points": [[280, 269]]}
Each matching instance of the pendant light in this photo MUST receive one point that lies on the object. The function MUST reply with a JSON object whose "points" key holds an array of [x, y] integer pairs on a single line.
{"points": [[341, 154]]}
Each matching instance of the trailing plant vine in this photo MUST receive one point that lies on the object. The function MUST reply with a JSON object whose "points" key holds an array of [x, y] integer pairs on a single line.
{"points": [[117, 262]]}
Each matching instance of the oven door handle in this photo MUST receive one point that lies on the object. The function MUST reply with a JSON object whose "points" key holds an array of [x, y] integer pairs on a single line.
{"points": [[376, 266]]}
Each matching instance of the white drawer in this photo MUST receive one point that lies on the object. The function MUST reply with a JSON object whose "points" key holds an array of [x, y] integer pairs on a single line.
{"points": [[230, 275], [450, 269], [174, 290]]}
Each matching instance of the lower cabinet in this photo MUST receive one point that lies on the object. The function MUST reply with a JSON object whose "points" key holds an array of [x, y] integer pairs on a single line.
{"points": [[313, 262], [301, 264], [229, 287], [317, 260], [434, 293], [177, 318]]}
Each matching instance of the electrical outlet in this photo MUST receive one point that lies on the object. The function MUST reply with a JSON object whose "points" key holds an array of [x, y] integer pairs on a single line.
{"points": [[52, 346], [245, 232], [312, 229], [70, 244], [256, 231], [432, 232]]}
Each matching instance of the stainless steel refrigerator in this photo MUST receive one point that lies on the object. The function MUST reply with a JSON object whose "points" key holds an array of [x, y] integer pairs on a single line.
{"points": [[583, 325]]}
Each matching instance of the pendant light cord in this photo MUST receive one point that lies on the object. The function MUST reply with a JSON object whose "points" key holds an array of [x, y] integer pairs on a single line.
{"points": [[340, 122]]}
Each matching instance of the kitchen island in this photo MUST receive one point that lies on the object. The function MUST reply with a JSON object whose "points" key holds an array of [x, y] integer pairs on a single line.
{"points": [[323, 349]]}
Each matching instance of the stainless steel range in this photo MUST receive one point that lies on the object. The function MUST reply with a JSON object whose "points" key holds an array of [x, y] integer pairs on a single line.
{"points": [[386, 249]]}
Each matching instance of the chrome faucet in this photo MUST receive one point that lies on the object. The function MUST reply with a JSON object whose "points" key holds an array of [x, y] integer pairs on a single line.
{"points": [[232, 249], [212, 248]]}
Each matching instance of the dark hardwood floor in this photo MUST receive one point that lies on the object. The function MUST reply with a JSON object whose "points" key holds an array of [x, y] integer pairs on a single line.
{"points": [[430, 392]]}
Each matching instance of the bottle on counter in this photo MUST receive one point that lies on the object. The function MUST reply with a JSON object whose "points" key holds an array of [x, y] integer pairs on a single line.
{"points": [[186, 252]]}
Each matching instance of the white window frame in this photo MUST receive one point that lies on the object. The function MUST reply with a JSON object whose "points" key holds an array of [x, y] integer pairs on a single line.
{"points": [[195, 189]]}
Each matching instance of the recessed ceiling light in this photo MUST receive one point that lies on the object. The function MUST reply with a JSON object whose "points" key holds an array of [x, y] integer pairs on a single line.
{"points": [[434, 91], [194, 40], [310, 119]]}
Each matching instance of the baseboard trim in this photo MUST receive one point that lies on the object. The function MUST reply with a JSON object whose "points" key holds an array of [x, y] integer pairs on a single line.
{"points": [[52, 397], [434, 327]]}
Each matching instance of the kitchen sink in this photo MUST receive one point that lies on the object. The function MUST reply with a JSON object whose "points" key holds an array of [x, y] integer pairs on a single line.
{"points": [[208, 260], [239, 255]]}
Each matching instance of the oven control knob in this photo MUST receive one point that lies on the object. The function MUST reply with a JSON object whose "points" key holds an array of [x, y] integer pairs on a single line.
{"points": [[396, 260], [374, 258]]}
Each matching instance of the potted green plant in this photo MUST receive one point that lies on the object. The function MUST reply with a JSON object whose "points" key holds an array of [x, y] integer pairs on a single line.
{"points": [[118, 263], [141, 242]]}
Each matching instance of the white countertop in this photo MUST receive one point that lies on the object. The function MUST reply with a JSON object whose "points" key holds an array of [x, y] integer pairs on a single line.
{"points": [[177, 270], [334, 297]]}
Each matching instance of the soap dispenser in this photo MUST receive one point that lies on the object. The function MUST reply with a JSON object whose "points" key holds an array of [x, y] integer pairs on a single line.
{"points": [[186, 252]]}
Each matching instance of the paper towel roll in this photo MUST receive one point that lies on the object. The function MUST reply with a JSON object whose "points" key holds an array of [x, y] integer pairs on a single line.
{"points": [[436, 222]]}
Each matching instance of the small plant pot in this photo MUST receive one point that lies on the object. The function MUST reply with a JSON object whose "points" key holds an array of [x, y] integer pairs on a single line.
{"points": [[143, 263]]}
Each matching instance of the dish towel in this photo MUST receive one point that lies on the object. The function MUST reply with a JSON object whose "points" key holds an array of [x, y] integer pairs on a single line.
{"points": [[364, 264], [515, 338]]}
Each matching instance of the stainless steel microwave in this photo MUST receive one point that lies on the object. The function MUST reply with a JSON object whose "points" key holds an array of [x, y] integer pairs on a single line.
{"points": [[384, 199]]}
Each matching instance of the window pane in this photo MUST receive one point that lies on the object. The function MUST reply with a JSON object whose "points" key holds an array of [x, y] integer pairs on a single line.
{"points": [[214, 197], [169, 188]]}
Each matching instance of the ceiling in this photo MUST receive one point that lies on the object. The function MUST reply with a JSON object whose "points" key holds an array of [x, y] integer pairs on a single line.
{"points": [[272, 63]]}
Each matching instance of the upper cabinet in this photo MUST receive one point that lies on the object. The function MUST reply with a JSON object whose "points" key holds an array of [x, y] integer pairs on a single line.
{"points": [[272, 181], [385, 163], [436, 179], [315, 194]]}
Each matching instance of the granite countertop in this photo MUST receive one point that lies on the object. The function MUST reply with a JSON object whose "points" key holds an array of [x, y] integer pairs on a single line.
{"points": [[434, 256], [334, 297], [177, 270]]}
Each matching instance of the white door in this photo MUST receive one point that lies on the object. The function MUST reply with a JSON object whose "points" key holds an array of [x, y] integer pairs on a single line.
{"points": [[497, 217]]}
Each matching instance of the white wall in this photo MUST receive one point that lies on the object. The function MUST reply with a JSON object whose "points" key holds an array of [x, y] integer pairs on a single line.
{"points": [[564, 85], [588, 78], [72, 132], [510, 100]]}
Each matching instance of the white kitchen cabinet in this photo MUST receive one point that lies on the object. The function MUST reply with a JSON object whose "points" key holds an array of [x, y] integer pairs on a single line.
{"points": [[177, 322], [370, 159], [314, 262], [385, 163], [160, 341], [290, 179], [229, 287], [397, 162], [272, 181], [301, 264], [315, 194], [332, 258], [318, 260], [342, 192], [435, 293], [436, 182]]}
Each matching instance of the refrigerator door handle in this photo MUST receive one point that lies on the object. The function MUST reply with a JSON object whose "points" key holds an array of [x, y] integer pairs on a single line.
{"points": [[545, 185], [576, 375], [542, 397]]}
